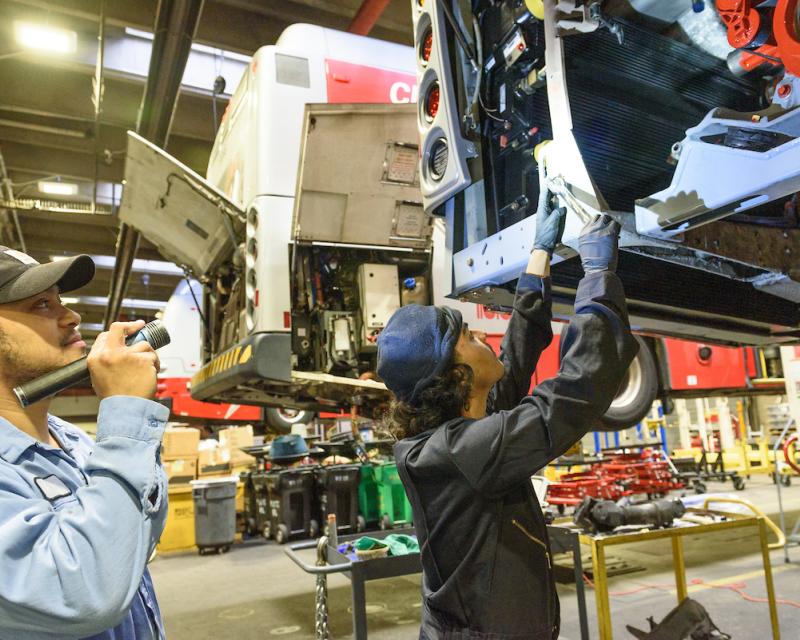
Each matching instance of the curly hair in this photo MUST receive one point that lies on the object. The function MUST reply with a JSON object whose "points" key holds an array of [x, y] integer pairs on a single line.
{"points": [[446, 398]]}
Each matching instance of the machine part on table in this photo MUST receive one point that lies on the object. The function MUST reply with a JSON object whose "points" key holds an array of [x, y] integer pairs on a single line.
{"points": [[688, 621], [321, 631], [603, 516]]}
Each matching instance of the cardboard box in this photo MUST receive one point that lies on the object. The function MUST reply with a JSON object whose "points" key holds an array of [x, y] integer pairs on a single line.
{"points": [[214, 462], [240, 459], [180, 442], [181, 470], [236, 437]]}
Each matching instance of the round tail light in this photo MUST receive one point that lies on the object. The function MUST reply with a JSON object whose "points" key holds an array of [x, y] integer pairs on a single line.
{"points": [[432, 102], [437, 162], [425, 47]]}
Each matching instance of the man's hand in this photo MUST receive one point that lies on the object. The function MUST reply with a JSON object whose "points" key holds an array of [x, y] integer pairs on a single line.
{"points": [[598, 245], [119, 370], [550, 220]]}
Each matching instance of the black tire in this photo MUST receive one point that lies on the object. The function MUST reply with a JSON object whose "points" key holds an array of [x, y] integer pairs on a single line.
{"points": [[636, 394], [282, 419], [738, 483], [699, 488], [385, 523], [266, 530], [313, 529], [361, 524], [786, 480], [561, 509], [282, 534]]}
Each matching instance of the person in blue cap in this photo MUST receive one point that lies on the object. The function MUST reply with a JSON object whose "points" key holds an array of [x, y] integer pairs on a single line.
{"points": [[473, 435]]}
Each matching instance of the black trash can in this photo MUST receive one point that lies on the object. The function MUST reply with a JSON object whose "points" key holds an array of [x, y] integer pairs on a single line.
{"points": [[214, 514], [253, 523], [337, 492], [291, 504]]}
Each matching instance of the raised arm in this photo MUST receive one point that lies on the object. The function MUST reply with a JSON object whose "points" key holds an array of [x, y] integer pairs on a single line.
{"points": [[529, 331], [597, 349]]}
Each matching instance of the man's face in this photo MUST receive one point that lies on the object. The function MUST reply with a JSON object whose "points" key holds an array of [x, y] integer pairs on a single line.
{"points": [[37, 334], [472, 349]]}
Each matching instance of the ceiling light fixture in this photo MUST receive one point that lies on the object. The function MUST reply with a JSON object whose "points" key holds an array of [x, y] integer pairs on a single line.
{"points": [[69, 300], [46, 39], [58, 188]]}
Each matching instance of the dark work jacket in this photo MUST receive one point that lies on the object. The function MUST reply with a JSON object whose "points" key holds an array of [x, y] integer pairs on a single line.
{"points": [[487, 572]]}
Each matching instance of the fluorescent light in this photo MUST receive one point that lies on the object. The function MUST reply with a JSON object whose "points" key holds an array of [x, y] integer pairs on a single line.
{"points": [[69, 300], [58, 188], [141, 266], [43, 38]]}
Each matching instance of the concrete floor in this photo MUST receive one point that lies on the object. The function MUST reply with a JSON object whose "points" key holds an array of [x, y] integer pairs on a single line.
{"points": [[255, 591]]}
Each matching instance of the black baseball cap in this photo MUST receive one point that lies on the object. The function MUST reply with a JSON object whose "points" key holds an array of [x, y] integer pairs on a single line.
{"points": [[22, 276]]}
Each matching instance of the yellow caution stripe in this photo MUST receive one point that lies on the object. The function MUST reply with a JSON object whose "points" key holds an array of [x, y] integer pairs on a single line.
{"points": [[233, 357]]}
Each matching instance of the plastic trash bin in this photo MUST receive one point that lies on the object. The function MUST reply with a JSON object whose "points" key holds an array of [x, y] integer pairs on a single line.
{"points": [[291, 504], [337, 492], [369, 513], [214, 513], [393, 505]]}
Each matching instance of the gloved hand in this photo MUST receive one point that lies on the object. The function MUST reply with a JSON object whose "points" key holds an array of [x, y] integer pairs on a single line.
{"points": [[598, 245], [550, 220]]}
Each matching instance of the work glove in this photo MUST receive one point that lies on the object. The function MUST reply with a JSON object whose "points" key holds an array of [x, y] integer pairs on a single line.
{"points": [[550, 220], [598, 245]]}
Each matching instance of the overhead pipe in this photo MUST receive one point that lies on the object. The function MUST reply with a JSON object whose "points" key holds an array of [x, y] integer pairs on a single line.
{"points": [[367, 15], [175, 26]]}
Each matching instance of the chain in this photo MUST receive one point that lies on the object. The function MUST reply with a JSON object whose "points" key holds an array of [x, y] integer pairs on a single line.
{"points": [[321, 602]]}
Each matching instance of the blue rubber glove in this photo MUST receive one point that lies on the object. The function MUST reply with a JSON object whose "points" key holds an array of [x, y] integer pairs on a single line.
{"points": [[598, 245], [550, 220]]}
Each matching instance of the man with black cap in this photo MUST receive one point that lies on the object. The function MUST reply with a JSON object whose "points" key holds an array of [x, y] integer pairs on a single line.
{"points": [[473, 436], [78, 519]]}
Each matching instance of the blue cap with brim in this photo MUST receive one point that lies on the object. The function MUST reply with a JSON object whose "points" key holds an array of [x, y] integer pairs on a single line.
{"points": [[416, 347]]}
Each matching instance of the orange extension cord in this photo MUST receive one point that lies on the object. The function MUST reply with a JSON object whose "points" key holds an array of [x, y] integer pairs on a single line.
{"points": [[736, 587]]}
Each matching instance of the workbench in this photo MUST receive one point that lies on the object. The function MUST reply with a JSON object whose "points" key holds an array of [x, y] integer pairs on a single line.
{"points": [[675, 534]]}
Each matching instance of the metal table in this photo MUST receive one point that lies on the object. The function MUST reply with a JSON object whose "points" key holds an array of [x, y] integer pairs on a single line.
{"points": [[675, 534], [562, 539]]}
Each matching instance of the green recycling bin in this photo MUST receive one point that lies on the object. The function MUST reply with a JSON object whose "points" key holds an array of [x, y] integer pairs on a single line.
{"points": [[393, 506], [368, 511]]}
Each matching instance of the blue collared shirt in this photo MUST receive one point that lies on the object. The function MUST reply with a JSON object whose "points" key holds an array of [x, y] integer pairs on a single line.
{"points": [[78, 524]]}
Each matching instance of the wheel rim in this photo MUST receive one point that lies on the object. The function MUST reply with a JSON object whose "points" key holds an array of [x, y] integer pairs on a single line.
{"points": [[631, 386], [292, 416]]}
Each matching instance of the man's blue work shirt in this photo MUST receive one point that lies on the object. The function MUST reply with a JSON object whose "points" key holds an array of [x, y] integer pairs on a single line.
{"points": [[78, 524]]}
